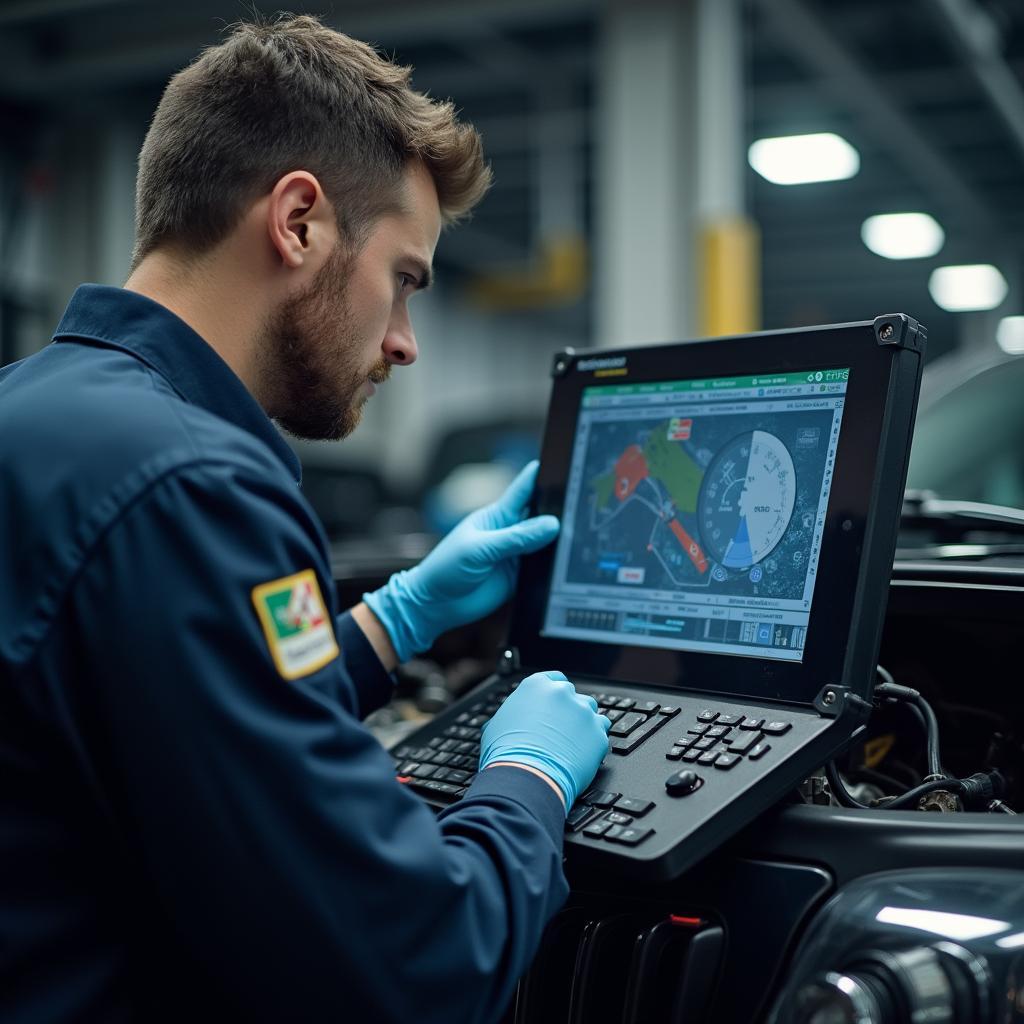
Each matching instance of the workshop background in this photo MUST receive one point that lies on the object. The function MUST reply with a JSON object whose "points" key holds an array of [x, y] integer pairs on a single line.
{"points": [[626, 209]]}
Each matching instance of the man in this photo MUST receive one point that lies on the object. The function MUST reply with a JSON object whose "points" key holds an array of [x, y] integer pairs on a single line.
{"points": [[193, 823]]}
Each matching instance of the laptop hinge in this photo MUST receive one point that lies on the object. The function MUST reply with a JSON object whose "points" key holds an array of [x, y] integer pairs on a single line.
{"points": [[839, 701]]}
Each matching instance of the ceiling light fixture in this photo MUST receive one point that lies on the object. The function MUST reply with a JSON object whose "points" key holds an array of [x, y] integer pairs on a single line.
{"points": [[969, 287], [903, 236], [1010, 336], [800, 159]]}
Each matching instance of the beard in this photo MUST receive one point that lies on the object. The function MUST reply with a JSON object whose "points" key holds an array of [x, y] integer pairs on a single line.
{"points": [[312, 377]]}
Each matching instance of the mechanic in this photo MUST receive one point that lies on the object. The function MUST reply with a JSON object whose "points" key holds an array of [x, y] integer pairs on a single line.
{"points": [[194, 824]]}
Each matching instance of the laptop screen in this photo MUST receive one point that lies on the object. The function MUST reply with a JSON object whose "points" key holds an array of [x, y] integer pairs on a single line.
{"points": [[694, 513]]}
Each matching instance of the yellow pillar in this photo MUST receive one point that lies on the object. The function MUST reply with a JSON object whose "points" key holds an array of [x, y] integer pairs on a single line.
{"points": [[730, 277]]}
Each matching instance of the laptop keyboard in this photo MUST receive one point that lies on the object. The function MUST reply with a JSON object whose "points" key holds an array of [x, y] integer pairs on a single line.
{"points": [[446, 764]]}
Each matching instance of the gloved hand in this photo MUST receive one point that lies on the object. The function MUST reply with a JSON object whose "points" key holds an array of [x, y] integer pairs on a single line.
{"points": [[469, 574], [546, 724]]}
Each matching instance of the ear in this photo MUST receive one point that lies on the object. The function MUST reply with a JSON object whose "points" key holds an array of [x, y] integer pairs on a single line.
{"points": [[300, 221]]}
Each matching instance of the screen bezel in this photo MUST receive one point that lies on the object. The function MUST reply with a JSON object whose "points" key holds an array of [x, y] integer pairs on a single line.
{"points": [[854, 480]]}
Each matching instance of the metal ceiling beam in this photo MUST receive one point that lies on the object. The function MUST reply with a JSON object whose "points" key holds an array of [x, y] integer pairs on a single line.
{"points": [[18, 12], [809, 41], [931, 86], [122, 53], [976, 36]]}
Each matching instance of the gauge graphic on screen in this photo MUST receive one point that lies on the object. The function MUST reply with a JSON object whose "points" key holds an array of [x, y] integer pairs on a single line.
{"points": [[746, 499]]}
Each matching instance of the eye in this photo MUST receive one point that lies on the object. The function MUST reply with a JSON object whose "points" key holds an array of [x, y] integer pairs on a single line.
{"points": [[406, 281]]}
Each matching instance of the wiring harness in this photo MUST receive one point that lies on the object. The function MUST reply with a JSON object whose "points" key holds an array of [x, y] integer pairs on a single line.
{"points": [[981, 791]]}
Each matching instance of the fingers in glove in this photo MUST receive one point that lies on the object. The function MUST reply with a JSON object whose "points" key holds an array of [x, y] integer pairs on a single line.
{"points": [[510, 506], [520, 539]]}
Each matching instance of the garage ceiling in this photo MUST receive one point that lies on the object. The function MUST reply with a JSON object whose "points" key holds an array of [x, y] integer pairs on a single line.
{"points": [[901, 80]]}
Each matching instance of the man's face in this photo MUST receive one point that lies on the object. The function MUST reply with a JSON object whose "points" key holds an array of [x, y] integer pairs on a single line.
{"points": [[328, 346]]}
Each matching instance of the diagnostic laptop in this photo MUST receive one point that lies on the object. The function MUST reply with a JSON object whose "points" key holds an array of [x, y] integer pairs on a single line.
{"points": [[728, 514]]}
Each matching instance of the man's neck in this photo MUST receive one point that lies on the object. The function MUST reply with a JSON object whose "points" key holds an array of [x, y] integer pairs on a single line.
{"points": [[202, 294]]}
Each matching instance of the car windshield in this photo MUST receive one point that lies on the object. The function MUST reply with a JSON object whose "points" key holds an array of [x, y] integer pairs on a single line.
{"points": [[969, 440]]}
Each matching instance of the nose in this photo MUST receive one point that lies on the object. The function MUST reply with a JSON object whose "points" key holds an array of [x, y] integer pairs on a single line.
{"points": [[400, 342]]}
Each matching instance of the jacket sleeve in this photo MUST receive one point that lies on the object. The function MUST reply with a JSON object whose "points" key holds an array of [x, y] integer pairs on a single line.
{"points": [[373, 686], [267, 818]]}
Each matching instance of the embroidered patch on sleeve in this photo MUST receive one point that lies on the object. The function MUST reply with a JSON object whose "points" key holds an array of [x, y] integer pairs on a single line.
{"points": [[297, 626]]}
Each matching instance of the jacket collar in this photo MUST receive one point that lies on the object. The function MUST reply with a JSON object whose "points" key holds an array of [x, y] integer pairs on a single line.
{"points": [[163, 341]]}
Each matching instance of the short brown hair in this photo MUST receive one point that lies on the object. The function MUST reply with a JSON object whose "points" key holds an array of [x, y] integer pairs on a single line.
{"points": [[286, 95]]}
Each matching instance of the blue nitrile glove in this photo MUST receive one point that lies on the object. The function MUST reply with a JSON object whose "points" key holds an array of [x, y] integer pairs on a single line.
{"points": [[547, 725], [469, 574]]}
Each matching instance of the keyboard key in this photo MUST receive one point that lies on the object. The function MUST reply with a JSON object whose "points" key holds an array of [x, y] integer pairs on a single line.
{"points": [[648, 707], [717, 730], [776, 728], [628, 836], [705, 742], [743, 742], [618, 819], [625, 703], [449, 745], [675, 753], [730, 719], [613, 831], [707, 715], [707, 757], [627, 744], [669, 710], [759, 751], [597, 828], [579, 815], [699, 730], [458, 776], [751, 723], [726, 761], [625, 725], [600, 798], [436, 757], [402, 753], [612, 715], [692, 754], [638, 808], [423, 771]]}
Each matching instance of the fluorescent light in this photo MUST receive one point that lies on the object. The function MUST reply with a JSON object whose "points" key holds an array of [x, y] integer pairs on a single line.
{"points": [[1011, 941], [1010, 335], [972, 286], [952, 926], [903, 236], [799, 159]]}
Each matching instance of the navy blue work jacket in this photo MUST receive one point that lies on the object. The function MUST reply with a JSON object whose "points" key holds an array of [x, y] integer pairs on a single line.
{"points": [[194, 824]]}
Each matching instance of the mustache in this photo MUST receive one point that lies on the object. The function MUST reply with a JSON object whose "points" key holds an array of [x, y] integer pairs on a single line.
{"points": [[380, 372]]}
